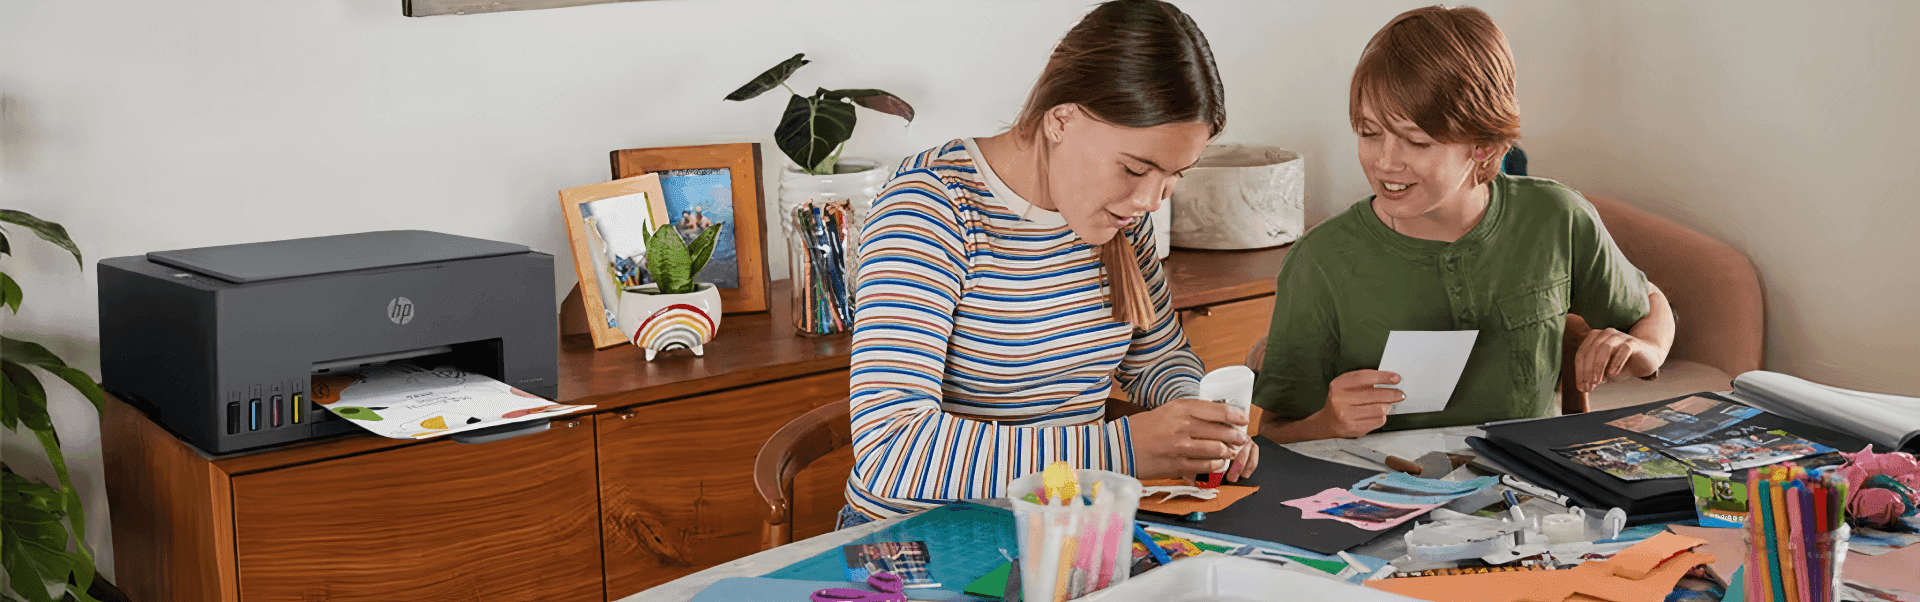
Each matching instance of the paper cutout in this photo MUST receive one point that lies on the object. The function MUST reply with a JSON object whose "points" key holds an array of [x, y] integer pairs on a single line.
{"points": [[404, 401], [1758, 448], [1683, 421], [1624, 458], [1341, 505], [1406, 489], [1890, 571], [1429, 363], [1647, 571], [1728, 549], [1185, 505]]}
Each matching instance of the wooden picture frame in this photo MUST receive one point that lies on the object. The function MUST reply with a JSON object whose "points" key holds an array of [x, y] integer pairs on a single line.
{"points": [[748, 290], [599, 284]]}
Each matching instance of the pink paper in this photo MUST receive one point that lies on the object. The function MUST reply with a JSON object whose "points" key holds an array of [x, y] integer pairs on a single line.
{"points": [[1338, 504]]}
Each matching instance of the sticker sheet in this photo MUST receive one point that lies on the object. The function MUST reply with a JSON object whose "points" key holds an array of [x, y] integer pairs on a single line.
{"points": [[1341, 505], [404, 401]]}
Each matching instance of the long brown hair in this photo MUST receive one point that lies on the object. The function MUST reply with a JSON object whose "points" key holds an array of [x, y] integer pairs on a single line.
{"points": [[1131, 63], [1449, 71]]}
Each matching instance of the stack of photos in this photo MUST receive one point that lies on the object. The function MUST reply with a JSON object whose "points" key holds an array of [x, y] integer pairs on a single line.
{"points": [[905, 559], [1684, 421], [1624, 458]]}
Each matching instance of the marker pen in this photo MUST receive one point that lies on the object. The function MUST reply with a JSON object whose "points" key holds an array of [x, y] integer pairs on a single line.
{"points": [[1232, 385]]}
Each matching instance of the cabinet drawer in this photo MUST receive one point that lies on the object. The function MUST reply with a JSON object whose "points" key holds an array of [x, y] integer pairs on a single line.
{"points": [[1222, 333], [508, 520], [676, 478]]}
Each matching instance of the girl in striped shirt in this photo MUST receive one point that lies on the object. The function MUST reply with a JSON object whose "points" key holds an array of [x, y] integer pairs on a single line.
{"points": [[1007, 285]]}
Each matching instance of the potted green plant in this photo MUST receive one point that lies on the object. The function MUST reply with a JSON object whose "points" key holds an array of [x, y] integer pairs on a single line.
{"points": [[43, 541], [674, 312], [823, 198]]}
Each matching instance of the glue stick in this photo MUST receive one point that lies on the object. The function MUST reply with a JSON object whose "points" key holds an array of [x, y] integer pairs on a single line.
{"points": [[1232, 385]]}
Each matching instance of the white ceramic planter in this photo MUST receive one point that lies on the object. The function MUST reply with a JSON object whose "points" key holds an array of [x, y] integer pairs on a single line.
{"points": [[657, 322], [1240, 197]]}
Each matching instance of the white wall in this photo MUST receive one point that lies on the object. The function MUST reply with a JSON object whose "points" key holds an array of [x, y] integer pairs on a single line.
{"points": [[146, 126]]}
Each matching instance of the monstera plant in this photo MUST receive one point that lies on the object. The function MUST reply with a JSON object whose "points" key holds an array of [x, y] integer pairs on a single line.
{"points": [[43, 541], [814, 128]]}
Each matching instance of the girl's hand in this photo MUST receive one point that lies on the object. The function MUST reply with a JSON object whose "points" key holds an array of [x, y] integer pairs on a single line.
{"points": [[1607, 353], [1244, 462], [1355, 406], [1186, 437]]}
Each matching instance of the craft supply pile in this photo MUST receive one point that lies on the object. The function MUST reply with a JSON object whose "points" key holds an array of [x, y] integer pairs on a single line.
{"points": [[1699, 498]]}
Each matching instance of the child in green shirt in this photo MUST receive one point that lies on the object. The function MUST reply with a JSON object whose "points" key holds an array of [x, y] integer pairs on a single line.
{"points": [[1448, 243]]}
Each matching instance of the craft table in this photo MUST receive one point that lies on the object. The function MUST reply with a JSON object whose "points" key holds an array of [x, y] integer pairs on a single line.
{"points": [[765, 562]]}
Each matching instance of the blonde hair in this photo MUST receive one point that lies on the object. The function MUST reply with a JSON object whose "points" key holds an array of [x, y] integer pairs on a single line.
{"points": [[1449, 71]]}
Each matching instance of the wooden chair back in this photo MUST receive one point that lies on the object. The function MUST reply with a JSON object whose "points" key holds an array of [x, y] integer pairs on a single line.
{"points": [[802, 441]]}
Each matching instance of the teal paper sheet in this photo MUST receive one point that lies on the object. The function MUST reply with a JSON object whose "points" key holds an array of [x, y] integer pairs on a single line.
{"points": [[963, 539]]}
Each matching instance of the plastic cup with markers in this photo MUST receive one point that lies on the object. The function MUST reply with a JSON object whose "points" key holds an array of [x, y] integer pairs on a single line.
{"points": [[1075, 530]]}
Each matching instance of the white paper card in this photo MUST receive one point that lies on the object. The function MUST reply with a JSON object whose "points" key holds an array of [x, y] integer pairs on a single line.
{"points": [[404, 401], [1429, 363]]}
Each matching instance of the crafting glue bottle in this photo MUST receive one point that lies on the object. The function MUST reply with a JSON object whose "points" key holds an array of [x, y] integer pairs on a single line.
{"points": [[1232, 385]]}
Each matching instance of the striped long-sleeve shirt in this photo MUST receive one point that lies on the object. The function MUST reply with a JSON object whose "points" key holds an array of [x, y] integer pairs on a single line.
{"points": [[983, 345]]}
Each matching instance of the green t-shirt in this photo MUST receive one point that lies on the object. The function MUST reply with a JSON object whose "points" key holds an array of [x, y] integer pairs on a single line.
{"points": [[1539, 252]]}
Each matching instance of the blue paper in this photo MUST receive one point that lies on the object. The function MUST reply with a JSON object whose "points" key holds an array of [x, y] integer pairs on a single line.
{"points": [[1403, 488]]}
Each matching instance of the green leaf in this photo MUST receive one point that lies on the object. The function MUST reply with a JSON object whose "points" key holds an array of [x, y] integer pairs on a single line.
{"points": [[5, 248], [53, 232], [812, 128], [76, 514], [25, 395], [10, 294], [877, 100], [702, 249], [769, 79], [33, 542], [667, 258], [32, 354]]}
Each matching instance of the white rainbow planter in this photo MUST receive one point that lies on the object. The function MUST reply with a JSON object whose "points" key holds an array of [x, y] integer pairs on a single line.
{"points": [[657, 322]]}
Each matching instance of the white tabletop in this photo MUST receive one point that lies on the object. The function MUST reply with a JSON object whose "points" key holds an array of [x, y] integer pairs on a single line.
{"points": [[684, 588]]}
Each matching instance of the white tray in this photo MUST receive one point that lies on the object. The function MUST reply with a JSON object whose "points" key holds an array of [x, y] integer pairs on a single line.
{"points": [[1215, 578]]}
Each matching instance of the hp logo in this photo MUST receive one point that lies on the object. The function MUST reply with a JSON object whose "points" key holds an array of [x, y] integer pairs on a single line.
{"points": [[400, 310]]}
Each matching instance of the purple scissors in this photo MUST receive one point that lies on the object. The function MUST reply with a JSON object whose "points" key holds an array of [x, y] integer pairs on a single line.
{"points": [[887, 583]]}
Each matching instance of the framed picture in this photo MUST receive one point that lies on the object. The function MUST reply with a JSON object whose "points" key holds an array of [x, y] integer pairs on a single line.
{"points": [[607, 226], [713, 186]]}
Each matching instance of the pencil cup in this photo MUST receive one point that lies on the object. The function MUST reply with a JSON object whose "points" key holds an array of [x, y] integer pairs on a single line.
{"points": [[821, 217], [1071, 550], [1809, 572]]}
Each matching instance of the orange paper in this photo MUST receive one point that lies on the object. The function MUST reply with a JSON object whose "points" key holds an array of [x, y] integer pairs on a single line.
{"points": [[1646, 571], [1183, 504]]}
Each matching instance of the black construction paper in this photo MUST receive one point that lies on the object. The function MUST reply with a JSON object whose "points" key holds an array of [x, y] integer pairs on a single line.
{"points": [[1281, 476]]}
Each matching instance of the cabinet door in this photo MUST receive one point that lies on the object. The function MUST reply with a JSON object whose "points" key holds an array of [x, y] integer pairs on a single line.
{"points": [[676, 478], [1222, 333], [509, 520]]}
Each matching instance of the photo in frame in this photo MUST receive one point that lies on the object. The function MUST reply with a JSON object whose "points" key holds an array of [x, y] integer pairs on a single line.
{"points": [[607, 226], [716, 185]]}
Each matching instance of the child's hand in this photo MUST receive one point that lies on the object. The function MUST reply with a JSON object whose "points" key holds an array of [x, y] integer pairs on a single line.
{"points": [[1186, 437], [1607, 352], [1355, 407]]}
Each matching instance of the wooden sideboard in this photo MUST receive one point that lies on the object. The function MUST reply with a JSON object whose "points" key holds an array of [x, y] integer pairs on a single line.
{"points": [[652, 484]]}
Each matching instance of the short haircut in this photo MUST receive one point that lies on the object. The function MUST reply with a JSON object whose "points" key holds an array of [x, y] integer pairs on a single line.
{"points": [[1449, 71]]}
